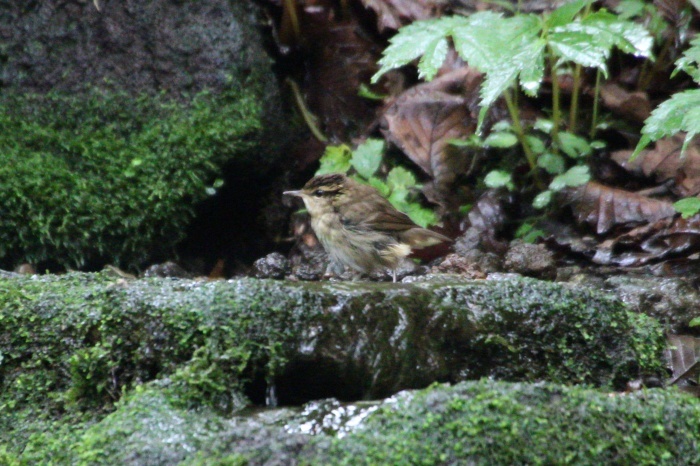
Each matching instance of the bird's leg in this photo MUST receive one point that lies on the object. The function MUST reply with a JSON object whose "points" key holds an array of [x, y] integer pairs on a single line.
{"points": [[393, 274]]}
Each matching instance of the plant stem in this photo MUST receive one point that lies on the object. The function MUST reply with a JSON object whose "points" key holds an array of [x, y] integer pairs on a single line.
{"points": [[290, 11], [520, 134], [306, 114], [596, 97], [556, 104], [573, 109]]}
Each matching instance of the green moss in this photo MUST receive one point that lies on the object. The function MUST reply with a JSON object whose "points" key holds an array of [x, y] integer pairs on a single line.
{"points": [[80, 341], [497, 423], [103, 177]]}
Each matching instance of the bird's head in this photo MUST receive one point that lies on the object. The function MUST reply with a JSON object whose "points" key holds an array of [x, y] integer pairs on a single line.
{"points": [[324, 193]]}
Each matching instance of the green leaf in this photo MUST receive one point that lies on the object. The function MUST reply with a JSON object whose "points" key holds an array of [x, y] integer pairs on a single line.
{"points": [[367, 158], [380, 186], [335, 159], [694, 322], [542, 200], [415, 40], [422, 216], [528, 233], [536, 144], [628, 9], [566, 13], [574, 176], [499, 179], [598, 145], [501, 140], [544, 125], [679, 113], [553, 164], [471, 141], [687, 207], [690, 60], [399, 198], [503, 125], [433, 57], [573, 146], [399, 178], [579, 47], [643, 142]]}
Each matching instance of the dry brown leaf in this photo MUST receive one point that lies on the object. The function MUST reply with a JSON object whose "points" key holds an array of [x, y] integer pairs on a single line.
{"points": [[633, 106], [604, 207], [340, 59], [667, 238], [683, 355], [392, 14], [665, 163], [422, 120]]}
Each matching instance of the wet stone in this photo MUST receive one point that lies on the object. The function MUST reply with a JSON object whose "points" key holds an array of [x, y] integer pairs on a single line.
{"points": [[274, 265]]}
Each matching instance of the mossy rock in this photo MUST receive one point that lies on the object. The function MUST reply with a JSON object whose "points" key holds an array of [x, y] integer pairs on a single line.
{"points": [[84, 338], [480, 423], [117, 120]]}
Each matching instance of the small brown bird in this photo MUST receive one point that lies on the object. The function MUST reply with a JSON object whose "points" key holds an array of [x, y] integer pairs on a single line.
{"points": [[358, 227]]}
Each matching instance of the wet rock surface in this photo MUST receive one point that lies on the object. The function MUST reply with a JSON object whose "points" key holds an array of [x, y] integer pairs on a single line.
{"points": [[83, 341], [673, 301]]}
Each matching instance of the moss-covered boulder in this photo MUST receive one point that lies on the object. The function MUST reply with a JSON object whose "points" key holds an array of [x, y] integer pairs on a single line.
{"points": [[88, 336], [116, 120], [480, 423]]}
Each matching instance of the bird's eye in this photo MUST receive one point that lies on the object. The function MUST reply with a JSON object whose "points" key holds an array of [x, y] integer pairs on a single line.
{"points": [[318, 192]]}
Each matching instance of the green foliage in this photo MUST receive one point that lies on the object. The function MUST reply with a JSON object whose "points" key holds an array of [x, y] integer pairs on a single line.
{"points": [[679, 113], [399, 186], [687, 207], [177, 352], [487, 423], [499, 179], [108, 178], [510, 50]]}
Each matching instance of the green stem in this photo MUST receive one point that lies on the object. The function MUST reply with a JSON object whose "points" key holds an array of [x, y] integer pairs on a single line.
{"points": [[291, 11], [596, 97], [573, 110], [520, 134], [556, 101], [306, 114]]}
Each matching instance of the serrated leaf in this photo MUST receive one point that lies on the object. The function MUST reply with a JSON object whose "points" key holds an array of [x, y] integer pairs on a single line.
{"points": [[579, 47], [380, 186], [574, 146], [399, 198], [498, 179], [542, 200], [574, 176], [627, 9], [566, 13], [687, 207], [674, 115], [414, 40], [367, 158], [335, 159], [399, 178], [433, 57], [422, 216], [553, 164], [501, 140]]}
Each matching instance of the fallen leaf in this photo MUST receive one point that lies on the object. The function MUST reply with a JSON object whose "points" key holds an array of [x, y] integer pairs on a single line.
{"points": [[633, 106], [604, 207], [423, 120], [664, 162], [392, 14], [683, 354]]}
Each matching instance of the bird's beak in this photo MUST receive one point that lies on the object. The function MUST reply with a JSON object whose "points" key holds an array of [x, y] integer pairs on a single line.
{"points": [[292, 193]]}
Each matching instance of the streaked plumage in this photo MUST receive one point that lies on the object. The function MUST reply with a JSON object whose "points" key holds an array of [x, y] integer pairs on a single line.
{"points": [[358, 227]]}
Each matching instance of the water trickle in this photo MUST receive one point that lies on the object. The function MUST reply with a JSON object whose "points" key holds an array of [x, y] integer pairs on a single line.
{"points": [[271, 395]]}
